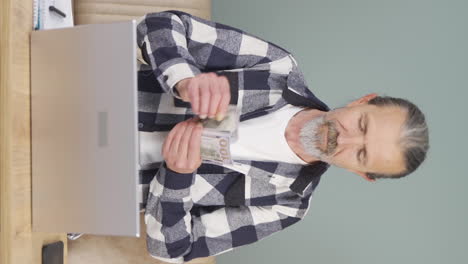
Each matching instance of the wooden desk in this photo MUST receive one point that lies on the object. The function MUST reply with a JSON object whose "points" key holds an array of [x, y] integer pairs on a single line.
{"points": [[18, 244]]}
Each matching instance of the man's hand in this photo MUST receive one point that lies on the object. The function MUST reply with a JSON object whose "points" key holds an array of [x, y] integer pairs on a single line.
{"points": [[208, 93], [181, 149]]}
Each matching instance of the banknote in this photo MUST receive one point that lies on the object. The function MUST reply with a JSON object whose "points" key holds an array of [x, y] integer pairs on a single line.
{"points": [[217, 137], [216, 149], [228, 124]]}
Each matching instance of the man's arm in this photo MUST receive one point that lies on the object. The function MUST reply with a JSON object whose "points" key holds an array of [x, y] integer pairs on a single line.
{"points": [[175, 235], [179, 45]]}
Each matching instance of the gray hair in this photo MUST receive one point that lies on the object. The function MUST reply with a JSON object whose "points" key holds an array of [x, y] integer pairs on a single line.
{"points": [[414, 139]]}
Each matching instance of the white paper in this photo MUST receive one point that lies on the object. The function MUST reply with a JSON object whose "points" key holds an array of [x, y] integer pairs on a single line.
{"points": [[47, 19]]}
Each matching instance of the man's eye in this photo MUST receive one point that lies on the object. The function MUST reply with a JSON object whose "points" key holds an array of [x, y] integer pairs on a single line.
{"points": [[358, 155], [361, 127]]}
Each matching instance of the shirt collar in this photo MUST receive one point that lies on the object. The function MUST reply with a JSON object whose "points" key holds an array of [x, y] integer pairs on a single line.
{"points": [[303, 178]]}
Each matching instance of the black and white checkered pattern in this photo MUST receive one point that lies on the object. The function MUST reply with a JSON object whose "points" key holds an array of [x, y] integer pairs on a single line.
{"points": [[216, 209]]}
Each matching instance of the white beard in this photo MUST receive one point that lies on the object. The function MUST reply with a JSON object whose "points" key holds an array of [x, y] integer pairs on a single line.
{"points": [[310, 139]]}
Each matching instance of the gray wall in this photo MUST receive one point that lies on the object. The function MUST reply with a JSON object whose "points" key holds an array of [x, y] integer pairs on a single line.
{"points": [[415, 49]]}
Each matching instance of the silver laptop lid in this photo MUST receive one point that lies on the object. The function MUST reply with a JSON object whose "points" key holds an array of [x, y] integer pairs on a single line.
{"points": [[84, 130]]}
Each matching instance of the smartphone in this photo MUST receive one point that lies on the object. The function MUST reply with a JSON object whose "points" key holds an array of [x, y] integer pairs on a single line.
{"points": [[52, 253]]}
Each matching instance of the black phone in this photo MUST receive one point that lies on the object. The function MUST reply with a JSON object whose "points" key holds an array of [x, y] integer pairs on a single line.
{"points": [[52, 253]]}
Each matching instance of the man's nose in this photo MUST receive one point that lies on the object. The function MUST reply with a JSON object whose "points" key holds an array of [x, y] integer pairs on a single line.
{"points": [[348, 139]]}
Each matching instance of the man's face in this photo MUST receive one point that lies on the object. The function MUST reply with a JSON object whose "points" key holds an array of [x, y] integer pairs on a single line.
{"points": [[362, 138]]}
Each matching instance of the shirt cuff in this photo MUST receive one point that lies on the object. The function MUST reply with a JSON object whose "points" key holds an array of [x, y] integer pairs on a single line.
{"points": [[177, 181], [178, 72]]}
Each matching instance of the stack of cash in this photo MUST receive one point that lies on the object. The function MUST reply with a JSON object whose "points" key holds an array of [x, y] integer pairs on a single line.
{"points": [[217, 137]]}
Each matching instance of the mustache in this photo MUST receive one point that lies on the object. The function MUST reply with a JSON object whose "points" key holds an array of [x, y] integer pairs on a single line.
{"points": [[331, 138]]}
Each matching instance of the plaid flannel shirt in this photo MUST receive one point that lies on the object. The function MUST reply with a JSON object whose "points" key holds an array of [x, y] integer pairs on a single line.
{"points": [[216, 209]]}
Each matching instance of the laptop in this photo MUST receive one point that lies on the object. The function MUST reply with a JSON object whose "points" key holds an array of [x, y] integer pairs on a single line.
{"points": [[84, 130]]}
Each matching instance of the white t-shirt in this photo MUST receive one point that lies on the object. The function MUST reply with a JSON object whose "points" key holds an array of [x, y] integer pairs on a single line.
{"points": [[151, 146], [261, 138]]}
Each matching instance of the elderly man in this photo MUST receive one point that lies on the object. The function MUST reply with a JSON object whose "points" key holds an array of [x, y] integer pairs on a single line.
{"points": [[287, 138]]}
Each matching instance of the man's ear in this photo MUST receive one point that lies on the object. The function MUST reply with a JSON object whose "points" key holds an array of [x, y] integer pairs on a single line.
{"points": [[363, 100], [362, 174]]}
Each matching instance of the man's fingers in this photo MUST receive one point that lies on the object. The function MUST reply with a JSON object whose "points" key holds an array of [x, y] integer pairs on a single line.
{"points": [[168, 141], [225, 99], [179, 145], [185, 140], [173, 150], [205, 98], [215, 95], [209, 95], [194, 95], [194, 145]]}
